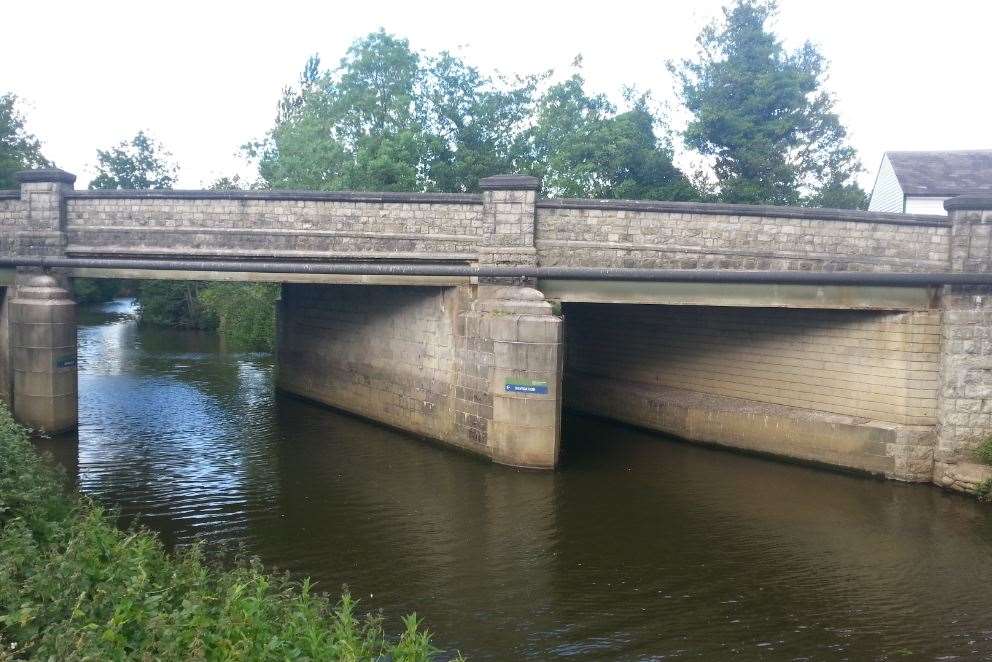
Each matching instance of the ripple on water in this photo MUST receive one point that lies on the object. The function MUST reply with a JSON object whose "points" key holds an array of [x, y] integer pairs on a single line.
{"points": [[638, 548]]}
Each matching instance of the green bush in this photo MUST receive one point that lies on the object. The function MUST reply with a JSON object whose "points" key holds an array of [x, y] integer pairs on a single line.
{"points": [[246, 313], [173, 303], [96, 290], [75, 587], [984, 451], [984, 491]]}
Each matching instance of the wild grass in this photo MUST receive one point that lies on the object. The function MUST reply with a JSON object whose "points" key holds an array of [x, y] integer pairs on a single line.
{"points": [[74, 586]]}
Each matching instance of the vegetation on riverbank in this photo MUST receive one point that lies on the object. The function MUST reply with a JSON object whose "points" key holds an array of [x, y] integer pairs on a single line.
{"points": [[984, 451], [73, 586], [984, 491]]}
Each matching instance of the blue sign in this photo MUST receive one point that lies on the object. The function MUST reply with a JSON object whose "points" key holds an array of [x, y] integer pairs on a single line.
{"points": [[527, 386]]}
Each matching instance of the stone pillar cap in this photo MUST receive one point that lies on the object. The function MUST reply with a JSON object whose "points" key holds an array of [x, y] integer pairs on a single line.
{"points": [[45, 175], [39, 287], [510, 182], [969, 202]]}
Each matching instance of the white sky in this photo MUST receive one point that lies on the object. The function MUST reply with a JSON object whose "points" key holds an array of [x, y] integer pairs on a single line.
{"points": [[204, 77]]}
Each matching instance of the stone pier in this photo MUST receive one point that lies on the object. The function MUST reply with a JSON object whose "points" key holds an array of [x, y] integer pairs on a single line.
{"points": [[42, 351], [478, 368]]}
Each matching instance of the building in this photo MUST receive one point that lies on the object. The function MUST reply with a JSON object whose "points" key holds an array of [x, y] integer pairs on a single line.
{"points": [[919, 182]]}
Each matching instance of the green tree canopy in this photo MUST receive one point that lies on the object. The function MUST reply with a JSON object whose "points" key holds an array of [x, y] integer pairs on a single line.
{"points": [[389, 118], [763, 115], [581, 147], [139, 163], [19, 150]]}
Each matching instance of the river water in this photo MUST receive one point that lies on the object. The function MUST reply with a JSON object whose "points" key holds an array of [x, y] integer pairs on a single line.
{"points": [[639, 547]]}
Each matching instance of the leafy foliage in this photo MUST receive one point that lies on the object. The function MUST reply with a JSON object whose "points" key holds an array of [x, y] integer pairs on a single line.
{"points": [[97, 290], [761, 112], [984, 451], [245, 312], [19, 150], [75, 587], [139, 163], [174, 303], [984, 491], [389, 118], [581, 147]]}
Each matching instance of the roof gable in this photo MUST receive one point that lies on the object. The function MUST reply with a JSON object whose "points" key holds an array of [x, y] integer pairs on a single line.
{"points": [[943, 173]]}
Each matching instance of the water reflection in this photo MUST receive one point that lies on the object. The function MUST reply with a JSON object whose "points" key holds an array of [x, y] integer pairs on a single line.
{"points": [[639, 548]]}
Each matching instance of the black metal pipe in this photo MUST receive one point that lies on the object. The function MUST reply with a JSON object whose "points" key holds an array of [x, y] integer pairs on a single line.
{"points": [[898, 279]]}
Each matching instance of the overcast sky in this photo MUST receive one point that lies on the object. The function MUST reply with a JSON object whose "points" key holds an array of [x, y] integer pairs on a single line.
{"points": [[204, 77]]}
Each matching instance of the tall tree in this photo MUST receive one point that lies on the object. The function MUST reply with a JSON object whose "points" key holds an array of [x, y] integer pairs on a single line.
{"points": [[19, 150], [388, 118], [139, 163], [475, 122], [581, 147], [761, 112], [351, 128]]}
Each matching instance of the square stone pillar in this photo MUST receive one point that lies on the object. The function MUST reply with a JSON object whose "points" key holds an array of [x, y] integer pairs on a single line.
{"points": [[964, 404], [526, 378], [508, 210], [43, 231]]}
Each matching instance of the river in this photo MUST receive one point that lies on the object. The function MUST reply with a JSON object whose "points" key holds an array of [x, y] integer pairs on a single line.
{"points": [[639, 548]]}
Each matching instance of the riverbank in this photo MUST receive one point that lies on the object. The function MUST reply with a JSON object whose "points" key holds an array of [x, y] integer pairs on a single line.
{"points": [[74, 586]]}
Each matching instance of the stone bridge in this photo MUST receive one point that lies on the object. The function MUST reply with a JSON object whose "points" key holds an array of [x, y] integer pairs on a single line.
{"points": [[852, 339]]}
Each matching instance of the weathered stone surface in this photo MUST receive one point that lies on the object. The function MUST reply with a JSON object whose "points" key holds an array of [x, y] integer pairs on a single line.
{"points": [[426, 360], [43, 353], [6, 364], [854, 372], [965, 395], [441, 361]]}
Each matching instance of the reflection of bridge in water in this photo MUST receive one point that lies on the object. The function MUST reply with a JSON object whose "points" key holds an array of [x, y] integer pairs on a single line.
{"points": [[848, 338]]}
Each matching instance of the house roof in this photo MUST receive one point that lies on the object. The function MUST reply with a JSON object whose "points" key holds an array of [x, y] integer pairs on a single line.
{"points": [[943, 173]]}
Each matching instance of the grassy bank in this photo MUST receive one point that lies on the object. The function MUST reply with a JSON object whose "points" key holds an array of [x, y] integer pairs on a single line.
{"points": [[73, 586]]}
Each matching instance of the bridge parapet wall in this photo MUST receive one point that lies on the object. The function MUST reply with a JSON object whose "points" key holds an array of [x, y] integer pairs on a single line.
{"points": [[670, 235], [275, 224], [505, 225]]}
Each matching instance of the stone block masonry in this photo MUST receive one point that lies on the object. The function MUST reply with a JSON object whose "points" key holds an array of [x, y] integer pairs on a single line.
{"points": [[278, 225], [691, 236], [847, 388], [433, 361], [965, 398], [6, 365], [903, 390]]}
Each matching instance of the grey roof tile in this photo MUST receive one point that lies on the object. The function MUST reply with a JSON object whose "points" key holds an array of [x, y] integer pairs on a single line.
{"points": [[943, 173]]}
